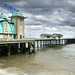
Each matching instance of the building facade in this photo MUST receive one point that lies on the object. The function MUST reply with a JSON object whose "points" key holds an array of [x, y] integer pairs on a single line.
{"points": [[57, 36], [13, 28], [18, 19], [53, 36], [45, 35], [7, 28]]}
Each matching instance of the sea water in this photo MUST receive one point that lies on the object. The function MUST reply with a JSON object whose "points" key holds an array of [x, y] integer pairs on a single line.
{"points": [[46, 61]]}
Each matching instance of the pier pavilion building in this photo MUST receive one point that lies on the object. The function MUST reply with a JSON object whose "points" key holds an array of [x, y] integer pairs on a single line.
{"points": [[57, 36], [45, 35], [18, 19], [53, 36], [7, 28], [13, 28]]}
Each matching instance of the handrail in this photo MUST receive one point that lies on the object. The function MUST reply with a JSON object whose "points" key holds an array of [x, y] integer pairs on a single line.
{"points": [[13, 39]]}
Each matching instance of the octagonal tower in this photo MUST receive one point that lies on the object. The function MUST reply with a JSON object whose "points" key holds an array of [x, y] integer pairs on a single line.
{"points": [[18, 19]]}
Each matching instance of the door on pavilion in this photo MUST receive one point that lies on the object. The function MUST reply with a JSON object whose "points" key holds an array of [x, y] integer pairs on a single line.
{"points": [[20, 36]]}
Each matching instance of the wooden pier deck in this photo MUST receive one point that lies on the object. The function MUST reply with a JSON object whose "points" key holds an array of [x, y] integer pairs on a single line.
{"points": [[16, 46], [10, 41], [19, 46]]}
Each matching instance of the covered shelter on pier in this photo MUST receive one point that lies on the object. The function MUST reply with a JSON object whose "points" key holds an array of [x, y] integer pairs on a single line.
{"points": [[7, 28], [53, 36]]}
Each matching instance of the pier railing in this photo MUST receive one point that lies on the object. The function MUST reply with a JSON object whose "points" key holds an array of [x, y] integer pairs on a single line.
{"points": [[15, 46], [7, 41], [14, 39]]}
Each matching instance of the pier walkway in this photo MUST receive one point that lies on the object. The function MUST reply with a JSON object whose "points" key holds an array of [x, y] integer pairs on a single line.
{"points": [[19, 46], [8, 41]]}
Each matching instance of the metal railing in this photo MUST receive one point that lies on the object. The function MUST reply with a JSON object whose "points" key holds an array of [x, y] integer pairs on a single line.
{"points": [[10, 39]]}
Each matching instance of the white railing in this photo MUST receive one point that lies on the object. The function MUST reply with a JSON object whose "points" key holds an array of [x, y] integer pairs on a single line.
{"points": [[1, 39], [10, 39]]}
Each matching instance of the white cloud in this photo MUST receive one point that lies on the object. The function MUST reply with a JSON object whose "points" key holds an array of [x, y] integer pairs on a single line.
{"points": [[72, 2], [33, 27], [48, 16]]}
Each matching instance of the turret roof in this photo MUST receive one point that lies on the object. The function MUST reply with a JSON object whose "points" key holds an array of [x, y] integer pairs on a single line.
{"points": [[2, 16], [17, 13]]}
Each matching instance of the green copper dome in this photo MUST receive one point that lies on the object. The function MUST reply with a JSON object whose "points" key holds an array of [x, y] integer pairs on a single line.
{"points": [[17, 13], [11, 29], [1, 28], [3, 16], [1, 19]]}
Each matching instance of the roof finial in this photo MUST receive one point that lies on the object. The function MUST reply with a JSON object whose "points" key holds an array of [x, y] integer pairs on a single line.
{"points": [[1, 13], [17, 10]]}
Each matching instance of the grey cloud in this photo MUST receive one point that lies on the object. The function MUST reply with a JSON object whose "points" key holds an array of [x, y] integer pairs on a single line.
{"points": [[69, 22], [9, 1], [42, 7], [73, 14], [37, 21], [45, 8], [34, 4]]}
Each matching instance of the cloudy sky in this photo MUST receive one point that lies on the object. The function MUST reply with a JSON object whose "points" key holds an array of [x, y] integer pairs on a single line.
{"points": [[44, 16]]}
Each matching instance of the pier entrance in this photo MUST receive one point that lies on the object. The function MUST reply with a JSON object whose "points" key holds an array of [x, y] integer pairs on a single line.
{"points": [[13, 47]]}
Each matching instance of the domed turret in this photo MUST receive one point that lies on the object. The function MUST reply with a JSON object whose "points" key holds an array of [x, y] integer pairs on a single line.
{"points": [[1, 28], [17, 13], [2, 16], [11, 29], [18, 19]]}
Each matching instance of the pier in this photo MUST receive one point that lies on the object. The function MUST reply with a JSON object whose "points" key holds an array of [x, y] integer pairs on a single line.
{"points": [[22, 46], [49, 42], [13, 41], [16, 46]]}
